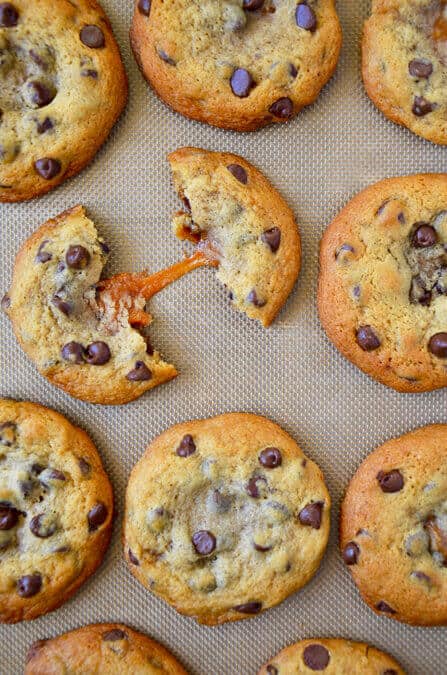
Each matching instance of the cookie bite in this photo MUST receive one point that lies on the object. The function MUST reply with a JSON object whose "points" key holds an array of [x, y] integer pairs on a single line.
{"points": [[63, 86], [393, 529], [382, 294], [225, 517], [331, 656], [404, 52], [236, 64], [231, 207], [56, 509], [109, 648]]}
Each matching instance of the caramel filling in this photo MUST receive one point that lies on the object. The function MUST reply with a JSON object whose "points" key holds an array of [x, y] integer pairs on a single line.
{"points": [[132, 286]]}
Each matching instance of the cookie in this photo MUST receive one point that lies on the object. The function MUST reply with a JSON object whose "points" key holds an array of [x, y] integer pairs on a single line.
{"points": [[55, 510], [232, 206], [393, 529], [331, 656], [225, 517], [383, 282], [63, 86], [81, 340], [236, 64], [404, 64], [109, 648]]}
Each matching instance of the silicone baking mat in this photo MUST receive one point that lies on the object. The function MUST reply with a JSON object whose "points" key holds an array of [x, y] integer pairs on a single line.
{"points": [[290, 372]]}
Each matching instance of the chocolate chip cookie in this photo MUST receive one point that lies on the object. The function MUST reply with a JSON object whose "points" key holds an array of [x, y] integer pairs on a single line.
{"points": [[55, 510], [232, 209], [405, 64], [83, 337], [101, 648], [225, 517], [236, 64], [383, 282], [393, 530], [63, 86], [332, 656]]}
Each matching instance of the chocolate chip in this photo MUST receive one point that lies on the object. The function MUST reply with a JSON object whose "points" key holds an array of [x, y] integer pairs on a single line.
{"points": [[305, 17], [43, 256], [351, 553], [166, 58], [421, 106], [97, 516], [73, 352], [84, 466], [344, 248], [204, 542], [62, 305], [222, 502], [252, 5], [262, 549], [9, 516], [316, 657], [270, 458], [55, 474], [7, 434], [424, 236], [44, 126], [419, 294], [384, 607], [391, 481], [144, 7], [6, 302], [252, 487], [293, 70], [437, 345], [255, 300], [77, 257], [113, 635], [104, 247], [311, 515], [140, 373], [97, 354], [272, 238], [39, 529], [149, 347], [420, 68], [92, 36], [389, 671], [282, 108], [238, 172], [133, 559], [89, 72], [47, 167], [272, 670], [34, 649], [241, 82], [9, 16], [421, 576], [40, 94], [37, 469], [29, 585], [187, 446], [249, 608], [367, 339]]}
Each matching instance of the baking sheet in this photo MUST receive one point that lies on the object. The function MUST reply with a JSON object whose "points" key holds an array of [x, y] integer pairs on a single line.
{"points": [[290, 373]]}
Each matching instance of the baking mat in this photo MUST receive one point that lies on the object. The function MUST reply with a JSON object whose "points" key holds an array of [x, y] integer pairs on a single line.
{"points": [[290, 372]]}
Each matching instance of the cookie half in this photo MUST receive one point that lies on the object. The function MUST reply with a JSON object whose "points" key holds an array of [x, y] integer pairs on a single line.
{"points": [[236, 64], [225, 517], [382, 294], [404, 67], [91, 353], [393, 530], [234, 208], [332, 656], [63, 86], [55, 510], [109, 648]]}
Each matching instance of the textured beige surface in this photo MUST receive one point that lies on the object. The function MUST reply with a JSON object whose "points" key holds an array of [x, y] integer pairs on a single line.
{"points": [[290, 373]]}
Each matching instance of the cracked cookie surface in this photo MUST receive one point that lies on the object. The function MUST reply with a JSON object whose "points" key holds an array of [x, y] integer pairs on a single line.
{"points": [[331, 656], [55, 510], [63, 88], [393, 531], [230, 204], [383, 282], [237, 64], [109, 648], [90, 352], [225, 517], [404, 55]]}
